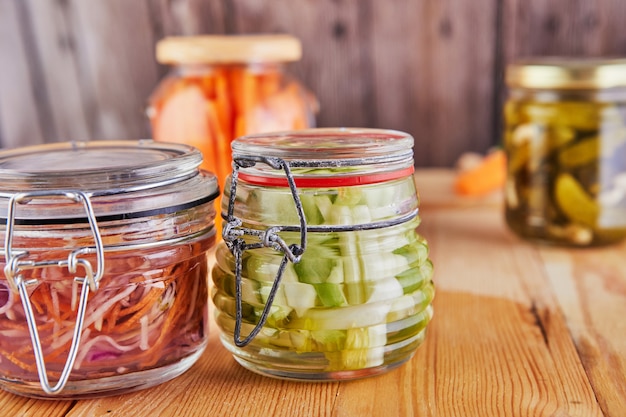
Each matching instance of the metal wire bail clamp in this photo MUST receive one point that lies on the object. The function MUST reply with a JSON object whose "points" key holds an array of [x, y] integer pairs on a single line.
{"points": [[15, 265], [232, 234]]}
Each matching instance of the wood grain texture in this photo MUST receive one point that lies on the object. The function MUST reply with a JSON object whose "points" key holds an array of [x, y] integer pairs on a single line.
{"points": [[432, 68], [591, 289], [56, 41], [499, 335], [19, 115], [564, 27], [519, 330], [116, 55]]}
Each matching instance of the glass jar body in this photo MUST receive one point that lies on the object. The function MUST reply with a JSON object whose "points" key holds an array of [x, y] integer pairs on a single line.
{"points": [[358, 302], [103, 267], [207, 105], [566, 152], [147, 322]]}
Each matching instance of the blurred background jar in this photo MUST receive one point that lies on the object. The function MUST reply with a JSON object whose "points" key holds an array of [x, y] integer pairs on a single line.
{"points": [[565, 139], [221, 87]]}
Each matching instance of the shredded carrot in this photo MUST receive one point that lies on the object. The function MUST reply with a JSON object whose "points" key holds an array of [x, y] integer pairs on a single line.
{"points": [[139, 310], [487, 177], [174, 329]]}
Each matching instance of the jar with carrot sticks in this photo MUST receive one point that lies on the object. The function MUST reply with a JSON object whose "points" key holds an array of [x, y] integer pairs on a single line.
{"points": [[224, 86], [103, 268]]}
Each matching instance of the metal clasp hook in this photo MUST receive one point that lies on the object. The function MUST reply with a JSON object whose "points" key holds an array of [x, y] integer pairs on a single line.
{"points": [[232, 234], [15, 265]]}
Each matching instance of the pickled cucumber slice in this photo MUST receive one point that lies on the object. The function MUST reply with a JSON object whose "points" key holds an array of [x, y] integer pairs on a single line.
{"points": [[582, 153], [574, 201]]}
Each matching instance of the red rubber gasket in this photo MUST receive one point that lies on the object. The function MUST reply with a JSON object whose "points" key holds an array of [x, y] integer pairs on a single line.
{"points": [[340, 181]]}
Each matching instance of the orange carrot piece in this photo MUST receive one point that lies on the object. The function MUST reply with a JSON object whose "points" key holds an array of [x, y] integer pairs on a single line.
{"points": [[240, 126], [269, 83], [221, 142], [488, 176], [251, 90], [183, 119], [224, 105]]}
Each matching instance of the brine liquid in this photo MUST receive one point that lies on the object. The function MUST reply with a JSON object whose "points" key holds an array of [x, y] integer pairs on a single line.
{"points": [[566, 171], [150, 313], [357, 304]]}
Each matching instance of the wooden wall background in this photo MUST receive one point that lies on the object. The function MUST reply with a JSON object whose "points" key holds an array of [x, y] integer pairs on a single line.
{"points": [[82, 69]]}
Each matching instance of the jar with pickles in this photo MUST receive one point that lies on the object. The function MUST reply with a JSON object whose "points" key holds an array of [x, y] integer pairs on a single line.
{"points": [[322, 274], [565, 139]]}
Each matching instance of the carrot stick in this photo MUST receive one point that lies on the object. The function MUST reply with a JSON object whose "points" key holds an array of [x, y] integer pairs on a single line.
{"points": [[139, 310], [488, 176], [223, 104], [269, 83]]}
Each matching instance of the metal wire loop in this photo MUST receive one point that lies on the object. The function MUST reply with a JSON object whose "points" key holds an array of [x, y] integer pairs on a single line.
{"points": [[15, 266], [234, 234]]}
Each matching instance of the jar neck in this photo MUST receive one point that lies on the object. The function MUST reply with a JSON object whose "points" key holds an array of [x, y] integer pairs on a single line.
{"points": [[617, 94], [189, 70]]}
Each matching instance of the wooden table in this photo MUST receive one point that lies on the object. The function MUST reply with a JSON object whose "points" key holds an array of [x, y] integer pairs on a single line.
{"points": [[519, 330]]}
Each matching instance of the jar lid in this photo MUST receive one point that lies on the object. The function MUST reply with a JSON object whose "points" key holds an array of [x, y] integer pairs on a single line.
{"points": [[567, 73], [330, 157], [228, 49], [124, 178]]}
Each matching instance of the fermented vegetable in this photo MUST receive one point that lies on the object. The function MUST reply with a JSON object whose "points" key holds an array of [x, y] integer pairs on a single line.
{"points": [[564, 175], [149, 312], [356, 300]]}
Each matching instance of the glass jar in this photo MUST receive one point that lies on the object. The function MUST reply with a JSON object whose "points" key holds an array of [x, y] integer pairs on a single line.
{"points": [[322, 274], [224, 86], [565, 139], [104, 282]]}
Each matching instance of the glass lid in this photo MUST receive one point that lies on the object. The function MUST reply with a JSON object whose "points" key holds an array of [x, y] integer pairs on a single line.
{"points": [[325, 157], [96, 166], [123, 179], [348, 145]]}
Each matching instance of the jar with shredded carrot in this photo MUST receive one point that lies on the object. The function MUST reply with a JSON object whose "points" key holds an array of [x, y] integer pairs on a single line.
{"points": [[224, 86], [103, 267]]}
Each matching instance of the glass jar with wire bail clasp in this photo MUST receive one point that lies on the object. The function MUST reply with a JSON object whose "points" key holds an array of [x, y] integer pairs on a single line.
{"points": [[322, 274], [104, 279]]}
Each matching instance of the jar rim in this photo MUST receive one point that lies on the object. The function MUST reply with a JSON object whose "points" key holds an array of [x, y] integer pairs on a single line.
{"points": [[102, 166], [566, 73], [324, 157], [332, 146], [228, 49], [122, 179]]}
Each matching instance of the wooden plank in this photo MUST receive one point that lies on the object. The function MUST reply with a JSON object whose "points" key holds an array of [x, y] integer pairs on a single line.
{"points": [[116, 60], [13, 405], [187, 18], [499, 344], [434, 65], [19, 116], [590, 286], [334, 47], [563, 27], [496, 321], [373, 66], [55, 41]]}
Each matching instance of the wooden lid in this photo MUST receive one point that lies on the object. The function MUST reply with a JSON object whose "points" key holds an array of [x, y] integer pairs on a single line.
{"points": [[228, 49]]}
